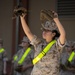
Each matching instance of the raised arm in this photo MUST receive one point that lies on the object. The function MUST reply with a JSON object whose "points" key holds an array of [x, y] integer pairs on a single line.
{"points": [[26, 28], [21, 11], [61, 30]]}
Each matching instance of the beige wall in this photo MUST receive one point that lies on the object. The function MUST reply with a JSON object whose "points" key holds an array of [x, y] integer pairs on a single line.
{"points": [[69, 25], [6, 24]]}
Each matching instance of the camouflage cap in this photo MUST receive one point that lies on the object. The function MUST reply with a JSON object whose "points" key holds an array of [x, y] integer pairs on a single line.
{"points": [[47, 22], [25, 39], [49, 25]]}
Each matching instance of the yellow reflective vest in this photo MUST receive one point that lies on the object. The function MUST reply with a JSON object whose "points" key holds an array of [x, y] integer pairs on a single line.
{"points": [[71, 56], [1, 50]]}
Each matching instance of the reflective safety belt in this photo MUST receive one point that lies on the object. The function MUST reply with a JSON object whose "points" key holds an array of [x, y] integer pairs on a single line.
{"points": [[15, 57], [45, 50], [23, 56], [1, 50], [71, 56]]}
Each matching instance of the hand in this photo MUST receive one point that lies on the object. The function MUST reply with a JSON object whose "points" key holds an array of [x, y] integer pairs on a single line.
{"points": [[19, 11], [53, 14]]}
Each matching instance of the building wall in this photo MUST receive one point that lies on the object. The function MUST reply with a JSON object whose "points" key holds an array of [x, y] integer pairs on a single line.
{"points": [[6, 24]]}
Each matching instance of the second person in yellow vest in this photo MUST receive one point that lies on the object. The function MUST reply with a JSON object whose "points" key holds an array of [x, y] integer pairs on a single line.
{"points": [[3, 59], [22, 60]]}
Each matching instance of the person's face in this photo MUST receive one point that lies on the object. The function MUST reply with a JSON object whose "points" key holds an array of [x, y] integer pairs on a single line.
{"points": [[25, 44], [47, 34]]}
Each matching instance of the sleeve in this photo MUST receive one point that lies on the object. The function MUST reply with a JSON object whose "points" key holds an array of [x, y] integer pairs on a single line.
{"points": [[59, 44], [35, 41]]}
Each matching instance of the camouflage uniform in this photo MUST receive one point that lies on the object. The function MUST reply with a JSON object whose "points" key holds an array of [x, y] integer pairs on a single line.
{"points": [[49, 64], [28, 59], [64, 57], [26, 62], [3, 58]]}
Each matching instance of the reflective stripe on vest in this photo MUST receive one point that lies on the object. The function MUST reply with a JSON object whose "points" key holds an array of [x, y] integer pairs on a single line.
{"points": [[24, 56], [15, 57], [71, 56], [45, 50], [1, 50]]}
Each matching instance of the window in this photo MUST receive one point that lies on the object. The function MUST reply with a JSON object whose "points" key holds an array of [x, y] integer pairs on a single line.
{"points": [[66, 8]]}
